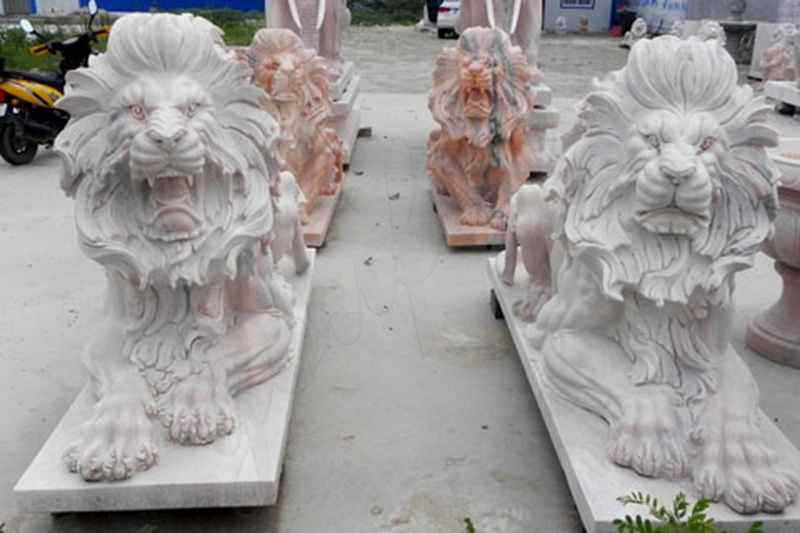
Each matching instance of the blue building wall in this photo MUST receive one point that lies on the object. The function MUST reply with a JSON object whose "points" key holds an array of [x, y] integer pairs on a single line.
{"points": [[169, 5]]}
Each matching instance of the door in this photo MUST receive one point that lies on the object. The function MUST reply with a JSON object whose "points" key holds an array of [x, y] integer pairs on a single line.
{"points": [[17, 7]]}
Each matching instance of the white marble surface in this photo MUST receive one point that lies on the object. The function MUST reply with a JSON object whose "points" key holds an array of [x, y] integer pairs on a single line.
{"points": [[579, 438], [344, 104], [338, 88], [784, 91], [240, 470]]}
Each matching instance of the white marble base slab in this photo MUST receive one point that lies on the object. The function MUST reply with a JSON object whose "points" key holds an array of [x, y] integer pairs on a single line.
{"points": [[579, 438], [543, 95], [343, 105], [338, 88], [783, 91], [241, 470]]}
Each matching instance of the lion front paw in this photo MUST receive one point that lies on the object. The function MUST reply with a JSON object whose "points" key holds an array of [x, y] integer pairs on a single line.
{"points": [[739, 468], [117, 442], [499, 220], [476, 216], [199, 413], [649, 438]]}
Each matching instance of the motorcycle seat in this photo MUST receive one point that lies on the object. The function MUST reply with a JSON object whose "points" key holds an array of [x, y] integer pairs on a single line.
{"points": [[53, 80]]}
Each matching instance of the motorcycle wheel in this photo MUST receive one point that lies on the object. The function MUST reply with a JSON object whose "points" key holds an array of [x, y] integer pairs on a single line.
{"points": [[14, 150]]}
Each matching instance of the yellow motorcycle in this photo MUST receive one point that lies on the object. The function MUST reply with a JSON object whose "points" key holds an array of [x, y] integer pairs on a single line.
{"points": [[31, 118]]}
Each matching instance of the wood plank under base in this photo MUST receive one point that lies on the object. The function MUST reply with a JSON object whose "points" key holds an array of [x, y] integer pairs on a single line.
{"points": [[240, 470]]}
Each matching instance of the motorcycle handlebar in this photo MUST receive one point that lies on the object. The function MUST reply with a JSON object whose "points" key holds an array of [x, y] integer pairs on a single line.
{"points": [[54, 47]]}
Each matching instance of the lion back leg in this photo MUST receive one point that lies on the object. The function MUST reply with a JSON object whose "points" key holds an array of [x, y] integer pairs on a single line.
{"points": [[736, 463]]}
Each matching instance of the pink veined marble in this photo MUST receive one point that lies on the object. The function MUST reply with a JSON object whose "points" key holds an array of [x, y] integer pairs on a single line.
{"points": [[296, 86], [778, 61], [480, 99], [775, 333]]}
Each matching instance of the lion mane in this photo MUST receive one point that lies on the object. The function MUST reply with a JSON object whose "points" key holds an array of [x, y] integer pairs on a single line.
{"points": [[231, 149], [601, 175], [486, 65], [308, 83]]}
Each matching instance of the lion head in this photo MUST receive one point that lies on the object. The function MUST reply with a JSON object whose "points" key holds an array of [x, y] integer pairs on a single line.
{"points": [[669, 190], [480, 87], [294, 78], [167, 153]]}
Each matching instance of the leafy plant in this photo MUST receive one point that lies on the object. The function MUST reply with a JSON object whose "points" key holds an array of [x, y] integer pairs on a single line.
{"points": [[468, 525], [681, 518]]}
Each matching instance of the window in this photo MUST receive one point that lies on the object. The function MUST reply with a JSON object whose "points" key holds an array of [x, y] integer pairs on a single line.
{"points": [[577, 4]]}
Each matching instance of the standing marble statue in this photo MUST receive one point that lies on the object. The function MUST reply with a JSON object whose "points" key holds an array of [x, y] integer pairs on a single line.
{"points": [[319, 23], [480, 99], [644, 223], [169, 157], [520, 19], [778, 62], [297, 94]]}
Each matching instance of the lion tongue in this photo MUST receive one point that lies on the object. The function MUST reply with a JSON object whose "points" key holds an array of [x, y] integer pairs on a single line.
{"points": [[170, 194], [176, 221]]}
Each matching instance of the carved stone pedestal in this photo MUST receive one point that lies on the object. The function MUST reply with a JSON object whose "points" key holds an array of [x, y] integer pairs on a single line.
{"points": [[783, 91], [580, 439], [775, 334], [346, 117], [543, 117], [241, 470]]}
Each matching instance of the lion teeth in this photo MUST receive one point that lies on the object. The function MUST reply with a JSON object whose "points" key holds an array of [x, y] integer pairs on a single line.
{"points": [[190, 180]]}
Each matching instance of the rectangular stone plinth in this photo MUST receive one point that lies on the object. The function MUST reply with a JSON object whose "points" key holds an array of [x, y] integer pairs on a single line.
{"points": [[543, 119], [338, 88], [783, 91], [240, 470], [316, 231], [345, 104], [459, 235], [579, 438], [543, 95]]}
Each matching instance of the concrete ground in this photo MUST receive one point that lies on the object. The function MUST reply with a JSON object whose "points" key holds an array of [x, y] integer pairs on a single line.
{"points": [[400, 59], [412, 411]]}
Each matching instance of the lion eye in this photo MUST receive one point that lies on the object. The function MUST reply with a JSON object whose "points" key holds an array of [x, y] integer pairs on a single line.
{"points": [[653, 141], [137, 111], [707, 143]]}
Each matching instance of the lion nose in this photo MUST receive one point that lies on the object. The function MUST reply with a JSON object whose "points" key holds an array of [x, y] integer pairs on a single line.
{"points": [[676, 167], [168, 139]]}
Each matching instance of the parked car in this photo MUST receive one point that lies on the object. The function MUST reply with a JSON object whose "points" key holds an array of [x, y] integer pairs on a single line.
{"points": [[447, 18]]}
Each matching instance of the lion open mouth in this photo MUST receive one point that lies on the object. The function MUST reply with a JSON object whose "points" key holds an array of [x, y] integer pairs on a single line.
{"points": [[169, 207], [672, 219]]}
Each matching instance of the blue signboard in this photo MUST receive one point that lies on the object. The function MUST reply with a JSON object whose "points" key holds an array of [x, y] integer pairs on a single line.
{"points": [[173, 5]]}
